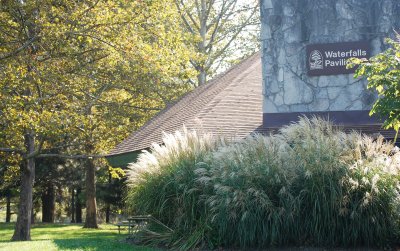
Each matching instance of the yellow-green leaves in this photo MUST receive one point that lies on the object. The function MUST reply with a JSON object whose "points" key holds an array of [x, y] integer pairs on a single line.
{"points": [[383, 74], [87, 71]]}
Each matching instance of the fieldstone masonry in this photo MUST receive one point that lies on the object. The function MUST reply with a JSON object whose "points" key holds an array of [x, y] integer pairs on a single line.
{"points": [[289, 25]]}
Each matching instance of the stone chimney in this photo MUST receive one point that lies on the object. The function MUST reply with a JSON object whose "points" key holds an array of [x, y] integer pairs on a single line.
{"points": [[305, 46]]}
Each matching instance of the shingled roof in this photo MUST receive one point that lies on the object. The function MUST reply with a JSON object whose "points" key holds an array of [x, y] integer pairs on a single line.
{"points": [[230, 105]]}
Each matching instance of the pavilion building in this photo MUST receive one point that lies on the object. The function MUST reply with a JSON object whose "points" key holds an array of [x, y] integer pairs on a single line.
{"points": [[300, 71]]}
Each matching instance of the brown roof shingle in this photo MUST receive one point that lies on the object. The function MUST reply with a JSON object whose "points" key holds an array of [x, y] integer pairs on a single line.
{"points": [[230, 105]]}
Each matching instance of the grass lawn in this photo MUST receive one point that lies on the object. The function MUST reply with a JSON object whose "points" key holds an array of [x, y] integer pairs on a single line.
{"points": [[67, 237], [48, 237]]}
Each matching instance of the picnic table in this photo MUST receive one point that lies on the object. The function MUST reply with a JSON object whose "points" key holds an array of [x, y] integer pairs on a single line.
{"points": [[138, 223], [123, 224]]}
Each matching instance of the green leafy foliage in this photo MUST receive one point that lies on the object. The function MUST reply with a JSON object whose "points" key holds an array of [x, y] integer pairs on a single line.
{"points": [[383, 74], [311, 184], [87, 70]]}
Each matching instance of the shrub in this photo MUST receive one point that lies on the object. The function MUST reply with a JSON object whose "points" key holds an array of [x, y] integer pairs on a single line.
{"points": [[249, 192], [310, 184], [162, 184], [346, 188]]}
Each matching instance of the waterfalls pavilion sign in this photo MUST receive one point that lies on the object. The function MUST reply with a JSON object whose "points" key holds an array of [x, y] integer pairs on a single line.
{"points": [[331, 59]]}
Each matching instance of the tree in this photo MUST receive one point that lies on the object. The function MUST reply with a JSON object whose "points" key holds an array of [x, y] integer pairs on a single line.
{"points": [[225, 30], [383, 74], [110, 188], [76, 76], [78, 205], [10, 182], [50, 173]]}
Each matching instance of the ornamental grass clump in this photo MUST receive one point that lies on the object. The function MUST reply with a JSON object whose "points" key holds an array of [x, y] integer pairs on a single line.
{"points": [[249, 194], [370, 209], [315, 155], [336, 202], [162, 184], [310, 184]]}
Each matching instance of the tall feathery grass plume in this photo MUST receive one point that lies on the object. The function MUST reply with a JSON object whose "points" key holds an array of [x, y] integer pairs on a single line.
{"points": [[162, 184], [249, 192], [180, 146], [329, 163], [309, 184]]}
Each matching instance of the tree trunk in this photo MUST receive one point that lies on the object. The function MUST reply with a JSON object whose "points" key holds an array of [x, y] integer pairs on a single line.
{"points": [[73, 205], [78, 207], [22, 230], [48, 203], [91, 206], [32, 214], [108, 206], [108, 213], [201, 78], [8, 207]]}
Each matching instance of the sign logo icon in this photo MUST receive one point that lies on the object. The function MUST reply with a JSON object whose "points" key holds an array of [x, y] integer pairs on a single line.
{"points": [[315, 60], [331, 58]]}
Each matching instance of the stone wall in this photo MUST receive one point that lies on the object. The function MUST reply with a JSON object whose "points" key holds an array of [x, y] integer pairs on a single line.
{"points": [[289, 25]]}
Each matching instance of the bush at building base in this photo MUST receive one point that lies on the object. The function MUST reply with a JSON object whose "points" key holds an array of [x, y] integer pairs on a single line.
{"points": [[311, 184]]}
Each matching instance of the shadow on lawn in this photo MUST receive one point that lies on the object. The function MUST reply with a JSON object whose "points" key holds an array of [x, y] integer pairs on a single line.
{"points": [[10, 226], [96, 244], [55, 225], [68, 237], [41, 231]]}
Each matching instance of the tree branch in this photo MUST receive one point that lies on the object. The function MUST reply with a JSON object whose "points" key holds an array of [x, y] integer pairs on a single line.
{"points": [[197, 26], [239, 29], [47, 155], [66, 156], [11, 150], [23, 47]]}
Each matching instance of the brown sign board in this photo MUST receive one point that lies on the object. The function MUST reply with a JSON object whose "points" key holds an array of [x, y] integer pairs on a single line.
{"points": [[331, 59]]}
